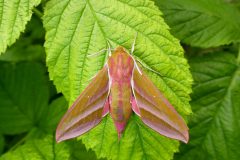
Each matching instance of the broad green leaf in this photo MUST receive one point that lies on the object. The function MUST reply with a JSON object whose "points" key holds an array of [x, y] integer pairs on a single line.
{"points": [[39, 149], [29, 46], [1, 143], [137, 142], [44, 147], [53, 114], [214, 127], [23, 96], [14, 15], [202, 23], [75, 29], [79, 152]]}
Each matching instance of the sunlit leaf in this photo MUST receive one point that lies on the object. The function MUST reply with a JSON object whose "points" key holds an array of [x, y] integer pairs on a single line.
{"points": [[39, 149], [14, 15]]}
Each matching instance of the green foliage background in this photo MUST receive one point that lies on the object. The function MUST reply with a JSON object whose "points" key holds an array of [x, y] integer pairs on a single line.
{"points": [[45, 64]]}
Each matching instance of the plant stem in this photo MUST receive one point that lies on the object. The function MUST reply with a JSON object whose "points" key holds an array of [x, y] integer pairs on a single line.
{"points": [[38, 13]]}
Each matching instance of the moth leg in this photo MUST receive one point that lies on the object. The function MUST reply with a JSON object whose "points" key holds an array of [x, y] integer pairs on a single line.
{"points": [[106, 108], [133, 45], [135, 108]]}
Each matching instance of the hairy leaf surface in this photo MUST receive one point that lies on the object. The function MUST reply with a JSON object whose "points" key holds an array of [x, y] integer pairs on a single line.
{"points": [[76, 29], [202, 23], [214, 127], [14, 15]]}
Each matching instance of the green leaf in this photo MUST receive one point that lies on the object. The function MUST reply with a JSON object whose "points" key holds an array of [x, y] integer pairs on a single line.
{"points": [[75, 29], [137, 142], [23, 96], [79, 152], [202, 23], [39, 149], [28, 47], [55, 111], [214, 128], [1, 143], [14, 16]]}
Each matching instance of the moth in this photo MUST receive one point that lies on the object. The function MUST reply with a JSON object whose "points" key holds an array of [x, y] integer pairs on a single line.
{"points": [[121, 89]]}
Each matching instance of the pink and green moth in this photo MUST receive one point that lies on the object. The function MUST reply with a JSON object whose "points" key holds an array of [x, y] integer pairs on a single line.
{"points": [[121, 88]]}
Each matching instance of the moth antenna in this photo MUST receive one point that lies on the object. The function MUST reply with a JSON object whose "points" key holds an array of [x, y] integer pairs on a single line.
{"points": [[150, 69], [96, 53], [134, 42]]}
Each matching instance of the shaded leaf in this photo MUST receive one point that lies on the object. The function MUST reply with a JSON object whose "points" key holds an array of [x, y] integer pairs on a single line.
{"points": [[202, 23], [79, 152], [75, 29], [14, 16], [23, 96], [1, 143], [23, 51], [55, 111], [214, 127]]}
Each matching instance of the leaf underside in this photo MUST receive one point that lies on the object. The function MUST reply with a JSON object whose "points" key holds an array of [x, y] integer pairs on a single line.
{"points": [[77, 29]]}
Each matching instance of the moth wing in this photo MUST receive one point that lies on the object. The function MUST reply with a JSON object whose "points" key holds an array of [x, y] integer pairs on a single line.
{"points": [[155, 110], [86, 112]]}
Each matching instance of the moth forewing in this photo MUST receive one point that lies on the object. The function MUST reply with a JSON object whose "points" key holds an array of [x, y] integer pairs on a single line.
{"points": [[86, 112], [155, 110], [135, 106]]}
